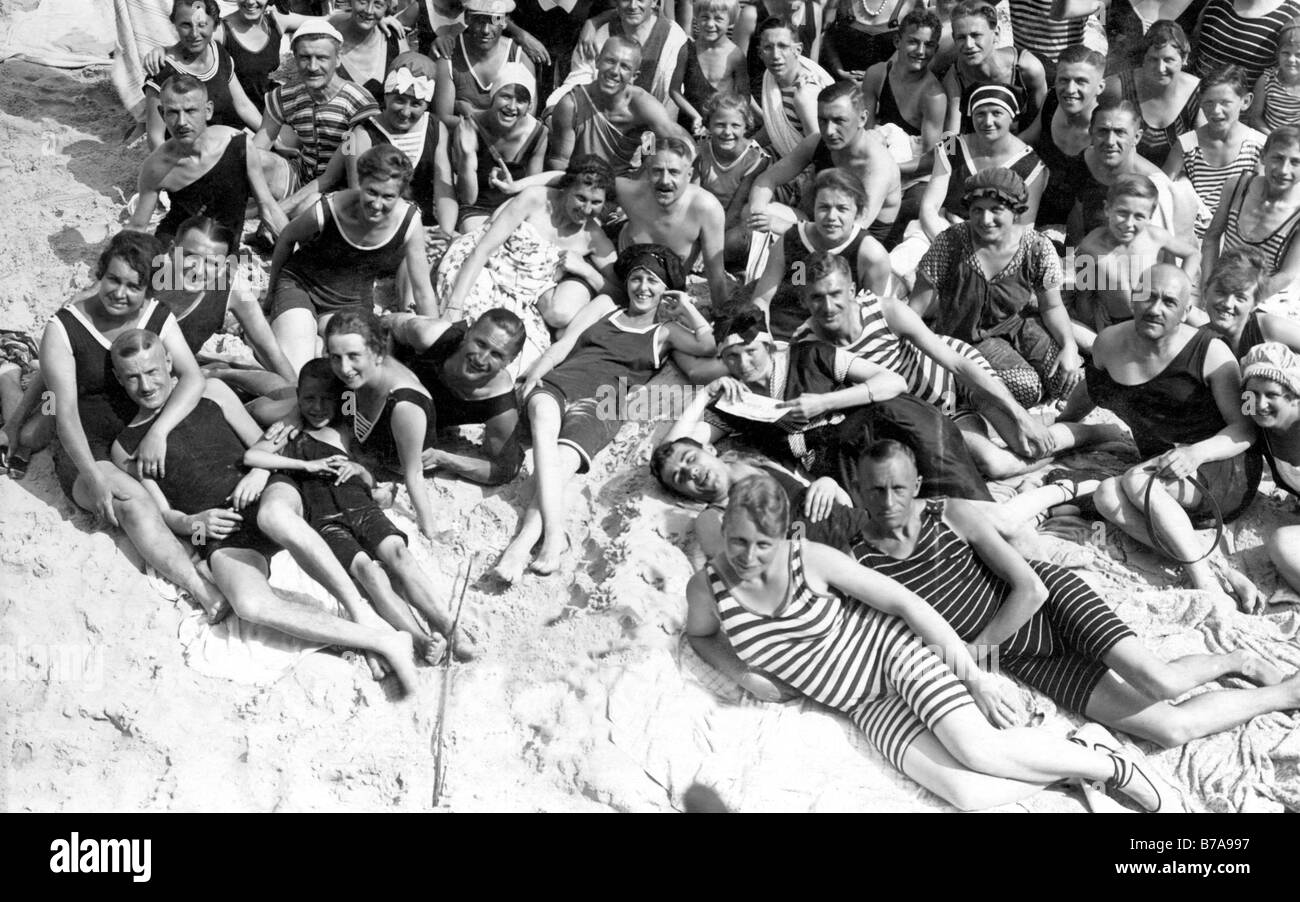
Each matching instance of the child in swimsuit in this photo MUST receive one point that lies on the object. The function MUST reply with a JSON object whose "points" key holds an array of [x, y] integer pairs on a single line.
{"points": [[1112, 258], [1277, 91], [726, 164], [336, 500], [713, 63]]}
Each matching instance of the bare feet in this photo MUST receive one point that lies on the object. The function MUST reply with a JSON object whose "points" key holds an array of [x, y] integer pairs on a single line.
{"points": [[466, 646], [1246, 594], [549, 556], [1292, 684], [399, 649], [510, 568], [214, 604], [1255, 668], [429, 649], [376, 664]]}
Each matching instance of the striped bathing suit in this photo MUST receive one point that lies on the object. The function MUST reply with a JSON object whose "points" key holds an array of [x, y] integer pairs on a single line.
{"points": [[1226, 36], [1058, 652], [1281, 107], [847, 656], [1207, 180], [1278, 242], [926, 379]]}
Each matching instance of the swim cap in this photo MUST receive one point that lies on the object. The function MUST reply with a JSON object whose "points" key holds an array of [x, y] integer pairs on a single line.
{"points": [[655, 258], [411, 73], [1275, 361], [999, 183]]}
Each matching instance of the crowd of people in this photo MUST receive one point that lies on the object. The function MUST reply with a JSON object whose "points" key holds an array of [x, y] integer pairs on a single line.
{"points": [[900, 251]]}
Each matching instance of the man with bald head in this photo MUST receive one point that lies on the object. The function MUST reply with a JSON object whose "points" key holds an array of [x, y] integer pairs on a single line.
{"points": [[608, 116], [1178, 389], [206, 495]]}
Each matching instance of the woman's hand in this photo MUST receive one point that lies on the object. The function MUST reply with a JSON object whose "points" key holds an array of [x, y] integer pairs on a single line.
{"points": [[726, 387], [1178, 463], [677, 305], [215, 523], [574, 263], [760, 220], [323, 465], [805, 408], [390, 25], [996, 702], [249, 489], [151, 456], [819, 499], [432, 458], [1070, 364], [527, 382], [765, 688], [152, 60]]}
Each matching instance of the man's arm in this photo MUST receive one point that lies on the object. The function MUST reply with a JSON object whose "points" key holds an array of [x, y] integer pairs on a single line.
{"points": [[654, 116], [1027, 591], [246, 109], [258, 334], [147, 191], [155, 128], [713, 227], [783, 172], [502, 457], [562, 134], [1034, 77], [267, 206], [444, 190]]}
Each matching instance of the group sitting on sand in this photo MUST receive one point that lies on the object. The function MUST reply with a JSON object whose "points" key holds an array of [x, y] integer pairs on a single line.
{"points": [[878, 318]]}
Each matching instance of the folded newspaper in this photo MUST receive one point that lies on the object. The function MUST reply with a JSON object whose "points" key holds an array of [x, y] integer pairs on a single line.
{"points": [[752, 406]]}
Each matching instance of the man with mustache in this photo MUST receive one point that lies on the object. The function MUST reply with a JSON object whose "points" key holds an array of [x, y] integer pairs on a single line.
{"points": [[204, 168], [320, 108]]}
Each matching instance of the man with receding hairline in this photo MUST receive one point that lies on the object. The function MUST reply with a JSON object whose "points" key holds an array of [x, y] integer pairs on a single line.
{"points": [[608, 116], [206, 495]]}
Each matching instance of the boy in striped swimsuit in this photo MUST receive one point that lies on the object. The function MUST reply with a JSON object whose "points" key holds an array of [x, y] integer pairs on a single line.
{"points": [[1050, 629]]}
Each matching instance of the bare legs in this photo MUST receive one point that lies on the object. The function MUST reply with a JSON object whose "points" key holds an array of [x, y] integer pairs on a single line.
{"points": [[1139, 703], [1284, 551], [243, 572], [555, 465], [296, 330], [559, 305], [974, 765], [143, 524]]}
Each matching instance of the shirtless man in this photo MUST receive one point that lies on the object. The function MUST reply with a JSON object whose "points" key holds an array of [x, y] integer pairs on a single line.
{"points": [[608, 116], [205, 168], [981, 60], [463, 365], [1115, 130], [198, 55], [845, 142], [320, 108], [1062, 128], [204, 471], [663, 207], [902, 90]]}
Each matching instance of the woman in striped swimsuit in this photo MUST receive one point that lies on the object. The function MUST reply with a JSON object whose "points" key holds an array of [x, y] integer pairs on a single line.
{"points": [[772, 613], [1245, 32], [1050, 629], [1262, 211], [1221, 149]]}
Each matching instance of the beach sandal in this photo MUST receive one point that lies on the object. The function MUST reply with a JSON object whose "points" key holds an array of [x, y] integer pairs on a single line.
{"points": [[1129, 777], [16, 465]]}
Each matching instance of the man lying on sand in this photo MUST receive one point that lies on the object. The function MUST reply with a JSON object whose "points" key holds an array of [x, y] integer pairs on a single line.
{"points": [[206, 494]]}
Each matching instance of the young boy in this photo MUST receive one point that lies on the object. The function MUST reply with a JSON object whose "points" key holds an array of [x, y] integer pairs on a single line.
{"points": [[1112, 258], [337, 503], [726, 165], [713, 64]]}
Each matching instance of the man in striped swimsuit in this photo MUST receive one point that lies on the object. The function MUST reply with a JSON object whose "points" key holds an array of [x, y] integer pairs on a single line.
{"points": [[1050, 629], [320, 108]]}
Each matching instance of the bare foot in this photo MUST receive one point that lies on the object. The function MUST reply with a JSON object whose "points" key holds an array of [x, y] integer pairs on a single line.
{"points": [[429, 649], [376, 664], [214, 603], [400, 651], [466, 646], [1256, 669], [510, 567], [548, 557], [1246, 594]]}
